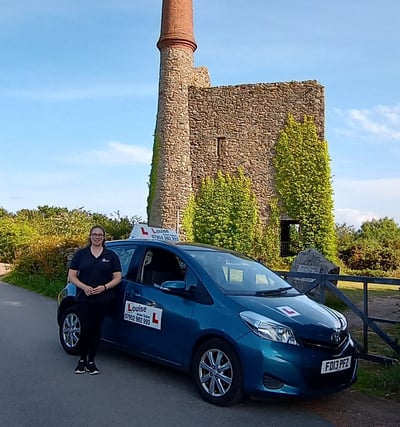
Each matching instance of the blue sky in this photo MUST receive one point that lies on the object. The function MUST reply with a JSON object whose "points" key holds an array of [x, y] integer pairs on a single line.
{"points": [[79, 79]]}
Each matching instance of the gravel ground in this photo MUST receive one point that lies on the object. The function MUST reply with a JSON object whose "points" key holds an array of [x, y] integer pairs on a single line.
{"points": [[353, 409]]}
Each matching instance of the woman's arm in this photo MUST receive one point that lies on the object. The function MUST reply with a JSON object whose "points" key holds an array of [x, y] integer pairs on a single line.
{"points": [[73, 278], [117, 275], [111, 284]]}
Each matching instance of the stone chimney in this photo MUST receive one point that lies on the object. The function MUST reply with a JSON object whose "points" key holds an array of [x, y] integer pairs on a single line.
{"points": [[173, 183], [177, 25]]}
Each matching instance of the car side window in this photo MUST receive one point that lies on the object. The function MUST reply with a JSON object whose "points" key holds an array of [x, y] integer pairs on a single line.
{"points": [[159, 266], [195, 288], [191, 280], [125, 255]]}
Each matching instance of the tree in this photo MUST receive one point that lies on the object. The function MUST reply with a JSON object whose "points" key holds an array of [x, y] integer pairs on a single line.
{"points": [[37, 241], [15, 233], [374, 249], [4, 212], [384, 230]]}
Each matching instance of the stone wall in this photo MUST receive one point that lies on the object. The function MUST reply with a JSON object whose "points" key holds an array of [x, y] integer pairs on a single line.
{"points": [[200, 78], [203, 129], [4, 268], [232, 126]]}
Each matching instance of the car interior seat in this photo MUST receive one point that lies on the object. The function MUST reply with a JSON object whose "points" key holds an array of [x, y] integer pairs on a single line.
{"points": [[163, 266]]}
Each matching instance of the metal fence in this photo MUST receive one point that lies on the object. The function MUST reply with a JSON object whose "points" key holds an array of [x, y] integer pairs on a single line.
{"points": [[327, 282]]}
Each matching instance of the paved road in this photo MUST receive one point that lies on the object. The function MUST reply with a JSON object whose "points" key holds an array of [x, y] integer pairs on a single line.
{"points": [[38, 387]]}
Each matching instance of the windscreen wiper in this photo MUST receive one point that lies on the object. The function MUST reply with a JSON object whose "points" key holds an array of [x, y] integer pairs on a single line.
{"points": [[273, 291]]}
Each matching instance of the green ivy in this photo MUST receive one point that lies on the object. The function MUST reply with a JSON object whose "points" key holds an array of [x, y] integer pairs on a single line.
{"points": [[303, 183], [224, 212], [153, 173], [187, 220], [270, 248]]}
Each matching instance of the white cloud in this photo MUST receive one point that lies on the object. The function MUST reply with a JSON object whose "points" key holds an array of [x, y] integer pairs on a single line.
{"points": [[381, 121], [357, 201], [353, 217], [117, 153]]}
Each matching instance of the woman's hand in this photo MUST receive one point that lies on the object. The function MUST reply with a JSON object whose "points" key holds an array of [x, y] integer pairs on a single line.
{"points": [[89, 290], [98, 290]]}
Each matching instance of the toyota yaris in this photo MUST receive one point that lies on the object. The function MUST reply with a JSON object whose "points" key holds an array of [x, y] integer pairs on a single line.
{"points": [[234, 325]]}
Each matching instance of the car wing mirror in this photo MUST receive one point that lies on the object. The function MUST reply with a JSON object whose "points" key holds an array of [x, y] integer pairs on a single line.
{"points": [[177, 287]]}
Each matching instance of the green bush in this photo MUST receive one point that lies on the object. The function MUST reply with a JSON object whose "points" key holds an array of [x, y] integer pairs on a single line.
{"points": [[48, 257], [15, 233], [372, 250], [38, 241]]}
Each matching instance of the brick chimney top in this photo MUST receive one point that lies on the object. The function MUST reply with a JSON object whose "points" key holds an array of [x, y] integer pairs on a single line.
{"points": [[177, 24]]}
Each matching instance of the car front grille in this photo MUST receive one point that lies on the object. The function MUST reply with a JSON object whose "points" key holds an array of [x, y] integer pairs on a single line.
{"points": [[327, 346]]}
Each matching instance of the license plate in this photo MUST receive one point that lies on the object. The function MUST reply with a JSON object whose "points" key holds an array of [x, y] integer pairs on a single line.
{"points": [[335, 365]]}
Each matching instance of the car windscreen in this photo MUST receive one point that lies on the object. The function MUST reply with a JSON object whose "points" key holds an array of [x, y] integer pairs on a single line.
{"points": [[239, 275]]}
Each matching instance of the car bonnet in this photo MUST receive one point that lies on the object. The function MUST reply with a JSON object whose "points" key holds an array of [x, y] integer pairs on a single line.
{"points": [[305, 316]]}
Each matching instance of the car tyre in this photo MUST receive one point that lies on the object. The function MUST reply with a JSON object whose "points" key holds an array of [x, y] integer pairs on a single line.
{"points": [[217, 373], [70, 330]]}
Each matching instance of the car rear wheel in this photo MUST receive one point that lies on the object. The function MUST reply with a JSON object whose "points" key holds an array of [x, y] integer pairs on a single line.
{"points": [[70, 330], [217, 373]]}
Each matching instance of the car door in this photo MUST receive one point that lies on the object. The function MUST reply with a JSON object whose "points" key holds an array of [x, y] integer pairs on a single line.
{"points": [[111, 324], [157, 324]]}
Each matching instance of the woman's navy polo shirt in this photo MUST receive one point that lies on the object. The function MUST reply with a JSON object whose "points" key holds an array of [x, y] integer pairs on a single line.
{"points": [[94, 271]]}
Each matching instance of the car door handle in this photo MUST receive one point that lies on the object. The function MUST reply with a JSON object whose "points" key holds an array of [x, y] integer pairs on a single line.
{"points": [[134, 293]]}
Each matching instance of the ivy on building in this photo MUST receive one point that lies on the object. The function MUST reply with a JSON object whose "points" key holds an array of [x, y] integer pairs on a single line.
{"points": [[153, 173], [304, 185], [224, 212], [269, 248]]}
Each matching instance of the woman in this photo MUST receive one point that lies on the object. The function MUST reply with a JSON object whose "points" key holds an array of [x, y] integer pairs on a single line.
{"points": [[95, 270]]}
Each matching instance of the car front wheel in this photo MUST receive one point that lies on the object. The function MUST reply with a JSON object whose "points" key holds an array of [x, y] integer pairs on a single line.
{"points": [[217, 373], [70, 330]]}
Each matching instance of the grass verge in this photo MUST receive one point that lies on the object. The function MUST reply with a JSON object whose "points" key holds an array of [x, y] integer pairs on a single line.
{"points": [[374, 378], [38, 284]]}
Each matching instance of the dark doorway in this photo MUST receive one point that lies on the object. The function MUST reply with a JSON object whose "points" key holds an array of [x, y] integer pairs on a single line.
{"points": [[289, 229]]}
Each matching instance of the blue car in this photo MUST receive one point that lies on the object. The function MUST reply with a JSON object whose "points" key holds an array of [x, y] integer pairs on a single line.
{"points": [[234, 325]]}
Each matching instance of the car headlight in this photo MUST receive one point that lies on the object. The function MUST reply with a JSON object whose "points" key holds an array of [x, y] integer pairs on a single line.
{"points": [[267, 328], [343, 320]]}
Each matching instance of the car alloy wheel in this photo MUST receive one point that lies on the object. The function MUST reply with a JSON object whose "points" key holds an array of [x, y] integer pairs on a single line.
{"points": [[70, 331], [218, 373]]}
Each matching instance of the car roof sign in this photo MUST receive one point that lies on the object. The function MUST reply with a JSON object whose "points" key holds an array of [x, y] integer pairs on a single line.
{"points": [[144, 232]]}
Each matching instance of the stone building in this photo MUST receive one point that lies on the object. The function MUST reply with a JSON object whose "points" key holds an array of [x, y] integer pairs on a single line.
{"points": [[202, 129]]}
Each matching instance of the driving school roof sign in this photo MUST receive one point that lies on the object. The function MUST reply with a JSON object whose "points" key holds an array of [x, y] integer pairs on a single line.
{"points": [[140, 231]]}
